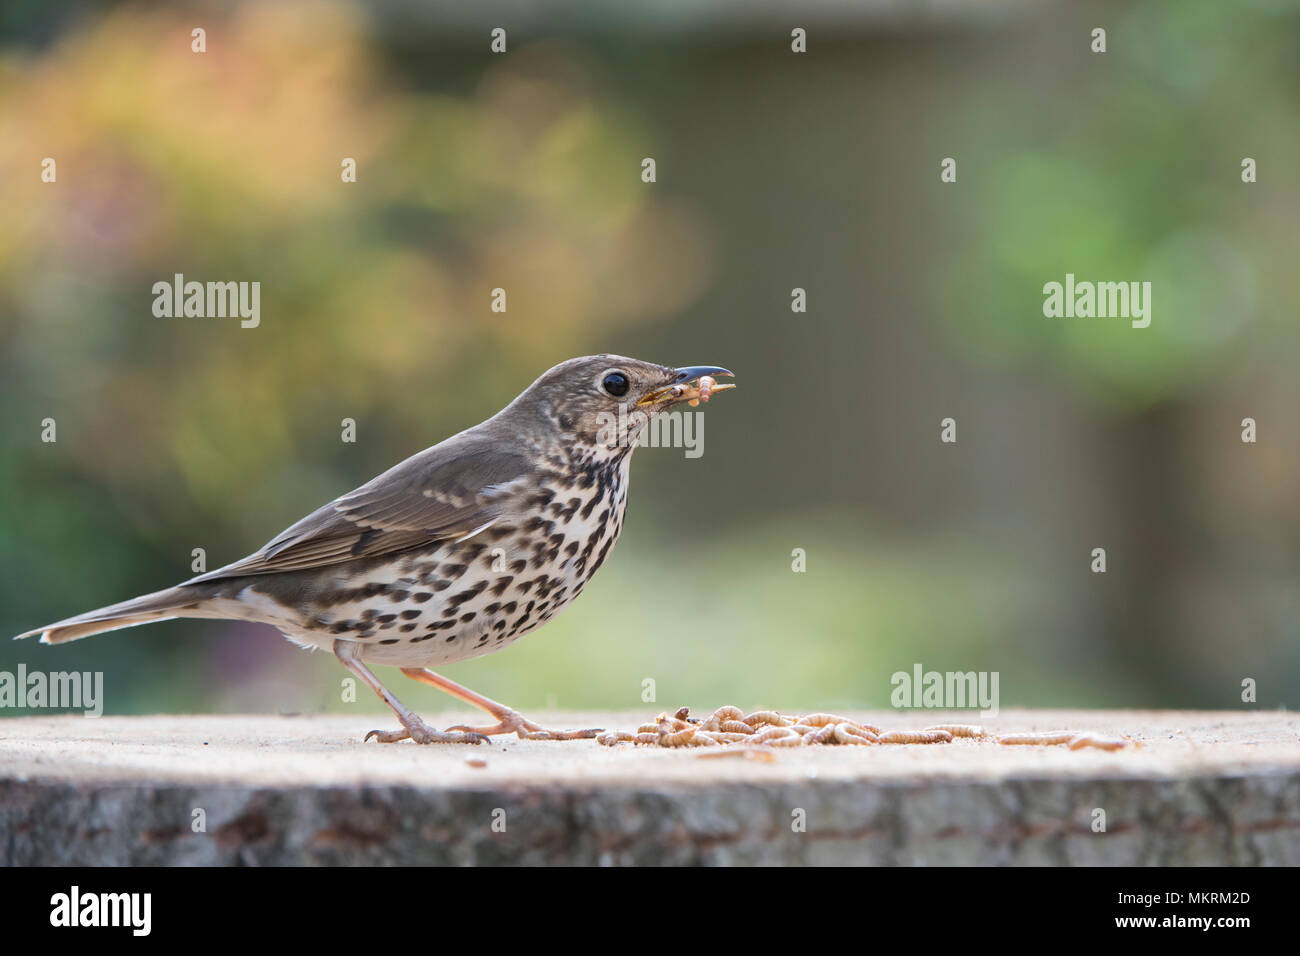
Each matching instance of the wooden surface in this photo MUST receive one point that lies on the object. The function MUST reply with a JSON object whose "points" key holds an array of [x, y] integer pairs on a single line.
{"points": [[1210, 788]]}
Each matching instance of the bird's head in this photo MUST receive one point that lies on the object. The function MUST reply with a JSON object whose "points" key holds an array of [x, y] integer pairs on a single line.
{"points": [[605, 400]]}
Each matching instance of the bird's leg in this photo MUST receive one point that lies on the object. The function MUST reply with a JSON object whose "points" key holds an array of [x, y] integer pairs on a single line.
{"points": [[412, 725], [510, 722]]}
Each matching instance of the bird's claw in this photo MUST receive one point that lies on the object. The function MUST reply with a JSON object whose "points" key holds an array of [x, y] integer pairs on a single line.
{"points": [[421, 733], [387, 736]]}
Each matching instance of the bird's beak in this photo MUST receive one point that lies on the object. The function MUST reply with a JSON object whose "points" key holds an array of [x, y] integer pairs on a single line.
{"points": [[691, 372], [681, 387]]}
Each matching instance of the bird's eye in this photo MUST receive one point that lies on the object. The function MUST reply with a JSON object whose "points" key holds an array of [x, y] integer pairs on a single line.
{"points": [[616, 384]]}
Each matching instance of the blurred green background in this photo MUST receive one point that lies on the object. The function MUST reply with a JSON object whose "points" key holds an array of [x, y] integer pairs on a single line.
{"points": [[775, 171]]}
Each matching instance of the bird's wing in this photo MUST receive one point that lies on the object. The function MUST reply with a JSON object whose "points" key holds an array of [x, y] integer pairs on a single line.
{"points": [[450, 491]]}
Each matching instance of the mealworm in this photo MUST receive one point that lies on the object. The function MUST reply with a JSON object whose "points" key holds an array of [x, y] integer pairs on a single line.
{"points": [[821, 720], [610, 737], [648, 729], [846, 733], [728, 712], [821, 735], [675, 738], [767, 717], [916, 737], [701, 392], [683, 713], [825, 720], [646, 738], [772, 733], [736, 727], [792, 740], [961, 730], [865, 732], [1098, 741], [1046, 739]]}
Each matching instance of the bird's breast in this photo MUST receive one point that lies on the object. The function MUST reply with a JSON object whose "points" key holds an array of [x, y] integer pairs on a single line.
{"points": [[464, 599]]}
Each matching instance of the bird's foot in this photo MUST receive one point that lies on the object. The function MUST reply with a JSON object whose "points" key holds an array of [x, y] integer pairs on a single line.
{"points": [[513, 723], [417, 730]]}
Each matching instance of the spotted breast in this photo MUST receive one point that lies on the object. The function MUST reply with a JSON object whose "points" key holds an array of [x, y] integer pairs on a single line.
{"points": [[466, 598]]}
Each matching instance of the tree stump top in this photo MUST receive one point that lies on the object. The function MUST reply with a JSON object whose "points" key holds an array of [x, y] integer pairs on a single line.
{"points": [[1203, 787]]}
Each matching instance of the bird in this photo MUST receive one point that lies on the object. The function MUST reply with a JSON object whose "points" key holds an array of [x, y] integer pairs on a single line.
{"points": [[454, 553]]}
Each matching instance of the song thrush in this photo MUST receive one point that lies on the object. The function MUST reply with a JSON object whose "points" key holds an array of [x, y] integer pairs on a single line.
{"points": [[454, 553]]}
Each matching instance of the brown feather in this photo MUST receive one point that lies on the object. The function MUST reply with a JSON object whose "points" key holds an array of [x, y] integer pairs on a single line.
{"points": [[443, 492]]}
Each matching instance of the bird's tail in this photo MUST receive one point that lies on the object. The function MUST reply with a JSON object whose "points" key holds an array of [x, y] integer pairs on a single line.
{"points": [[179, 601]]}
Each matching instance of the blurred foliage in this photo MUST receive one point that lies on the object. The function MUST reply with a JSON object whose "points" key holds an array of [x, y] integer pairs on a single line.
{"points": [[820, 171]]}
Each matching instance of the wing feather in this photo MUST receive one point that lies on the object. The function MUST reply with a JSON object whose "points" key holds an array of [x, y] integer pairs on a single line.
{"points": [[450, 491]]}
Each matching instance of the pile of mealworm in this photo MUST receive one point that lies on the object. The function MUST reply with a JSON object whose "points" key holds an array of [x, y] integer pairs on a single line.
{"points": [[767, 728]]}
